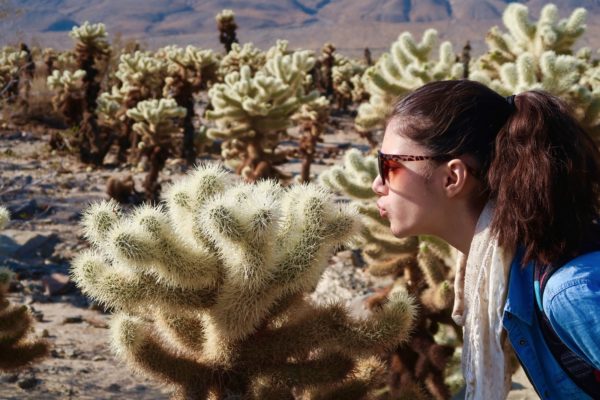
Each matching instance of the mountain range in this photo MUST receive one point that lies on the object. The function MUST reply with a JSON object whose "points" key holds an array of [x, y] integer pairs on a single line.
{"points": [[350, 25]]}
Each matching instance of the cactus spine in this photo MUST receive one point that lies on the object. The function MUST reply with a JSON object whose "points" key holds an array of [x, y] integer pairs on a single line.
{"points": [[208, 291]]}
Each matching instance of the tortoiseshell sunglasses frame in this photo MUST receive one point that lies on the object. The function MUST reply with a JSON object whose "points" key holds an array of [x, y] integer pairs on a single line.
{"points": [[383, 161]]}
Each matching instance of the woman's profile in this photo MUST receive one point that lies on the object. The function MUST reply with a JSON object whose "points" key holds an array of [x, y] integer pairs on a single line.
{"points": [[514, 184]]}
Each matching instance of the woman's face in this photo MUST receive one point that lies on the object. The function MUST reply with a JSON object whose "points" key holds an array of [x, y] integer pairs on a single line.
{"points": [[409, 198]]}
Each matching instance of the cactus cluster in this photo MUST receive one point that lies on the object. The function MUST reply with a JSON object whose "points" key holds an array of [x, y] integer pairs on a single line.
{"points": [[208, 291], [240, 55], [539, 55], [252, 109], [18, 348], [406, 67], [419, 265]]}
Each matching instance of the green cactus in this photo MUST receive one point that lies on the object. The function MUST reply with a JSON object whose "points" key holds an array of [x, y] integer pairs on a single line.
{"points": [[251, 110], [540, 56], [406, 67], [208, 291], [156, 127], [227, 28], [346, 74], [419, 265], [17, 347]]}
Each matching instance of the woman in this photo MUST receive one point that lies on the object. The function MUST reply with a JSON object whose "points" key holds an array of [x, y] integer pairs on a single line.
{"points": [[514, 184]]}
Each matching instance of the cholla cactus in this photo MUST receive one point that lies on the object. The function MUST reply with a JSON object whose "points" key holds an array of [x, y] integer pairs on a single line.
{"points": [[209, 291], [227, 27], [189, 70], [156, 127], [418, 264], [68, 99], [141, 77], [346, 74], [91, 49], [12, 62], [539, 56], [312, 117], [238, 56], [17, 347], [251, 110], [406, 67]]}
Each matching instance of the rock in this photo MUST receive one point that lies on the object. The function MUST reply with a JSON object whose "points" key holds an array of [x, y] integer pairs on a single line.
{"points": [[45, 333], [114, 387], [39, 246], [24, 211], [9, 378], [99, 358], [73, 320], [28, 382], [57, 283]]}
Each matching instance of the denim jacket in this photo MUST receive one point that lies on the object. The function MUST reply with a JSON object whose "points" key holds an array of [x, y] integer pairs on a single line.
{"points": [[571, 300]]}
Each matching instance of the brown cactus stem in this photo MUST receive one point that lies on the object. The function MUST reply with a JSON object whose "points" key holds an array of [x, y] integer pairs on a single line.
{"points": [[183, 93], [93, 144], [255, 159], [368, 59], [157, 156], [465, 59], [308, 145]]}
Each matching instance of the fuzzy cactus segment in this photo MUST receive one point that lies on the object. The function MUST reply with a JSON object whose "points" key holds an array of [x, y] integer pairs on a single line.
{"points": [[209, 289]]}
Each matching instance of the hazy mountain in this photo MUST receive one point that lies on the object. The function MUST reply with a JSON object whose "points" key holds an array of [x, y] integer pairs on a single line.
{"points": [[351, 25]]}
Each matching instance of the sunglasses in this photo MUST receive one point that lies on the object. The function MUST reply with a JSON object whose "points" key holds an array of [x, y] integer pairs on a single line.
{"points": [[388, 162]]}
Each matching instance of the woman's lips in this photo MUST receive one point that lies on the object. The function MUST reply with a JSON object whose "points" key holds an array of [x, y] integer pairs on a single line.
{"points": [[382, 211]]}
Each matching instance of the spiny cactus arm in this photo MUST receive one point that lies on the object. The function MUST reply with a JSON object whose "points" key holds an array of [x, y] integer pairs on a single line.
{"points": [[190, 194], [91, 35], [184, 330], [432, 267], [146, 242], [370, 210], [388, 266], [385, 243], [134, 341], [438, 298], [329, 367], [357, 186], [241, 223], [118, 288], [312, 228]]}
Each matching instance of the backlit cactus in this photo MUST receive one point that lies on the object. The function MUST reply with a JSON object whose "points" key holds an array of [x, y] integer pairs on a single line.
{"points": [[406, 67], [18, 348], [227, 28], [346, 74], [209, 291], [156, 125], [540, 56], [68, 98], [12, 62], [251, 110], [189, 70], [419, 265], [240, 55]]}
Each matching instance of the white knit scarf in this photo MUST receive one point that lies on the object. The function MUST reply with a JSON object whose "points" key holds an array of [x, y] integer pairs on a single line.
{"points": [[480, 286]]}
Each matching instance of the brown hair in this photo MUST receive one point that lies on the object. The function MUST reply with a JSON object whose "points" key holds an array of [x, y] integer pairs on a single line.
{"points": [[534, 159]]}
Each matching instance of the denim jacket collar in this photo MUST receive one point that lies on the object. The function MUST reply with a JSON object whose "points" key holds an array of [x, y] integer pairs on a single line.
{"points": [[519, 300]]}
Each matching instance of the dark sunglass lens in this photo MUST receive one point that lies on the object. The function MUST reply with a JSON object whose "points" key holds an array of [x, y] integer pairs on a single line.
{"points": [[382, 167]]}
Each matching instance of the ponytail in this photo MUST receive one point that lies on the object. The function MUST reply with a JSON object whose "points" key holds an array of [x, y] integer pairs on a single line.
{"points": [[545, 177]]}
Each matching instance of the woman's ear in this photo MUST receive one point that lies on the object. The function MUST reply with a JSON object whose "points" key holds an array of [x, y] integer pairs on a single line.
{"points": [[455, 177]]}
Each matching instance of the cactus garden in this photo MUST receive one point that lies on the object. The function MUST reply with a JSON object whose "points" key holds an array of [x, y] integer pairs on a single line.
{"points": [[190, 222]]}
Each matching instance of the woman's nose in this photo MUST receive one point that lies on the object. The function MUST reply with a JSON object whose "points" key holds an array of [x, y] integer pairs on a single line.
{"points": [[378, 186]]}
